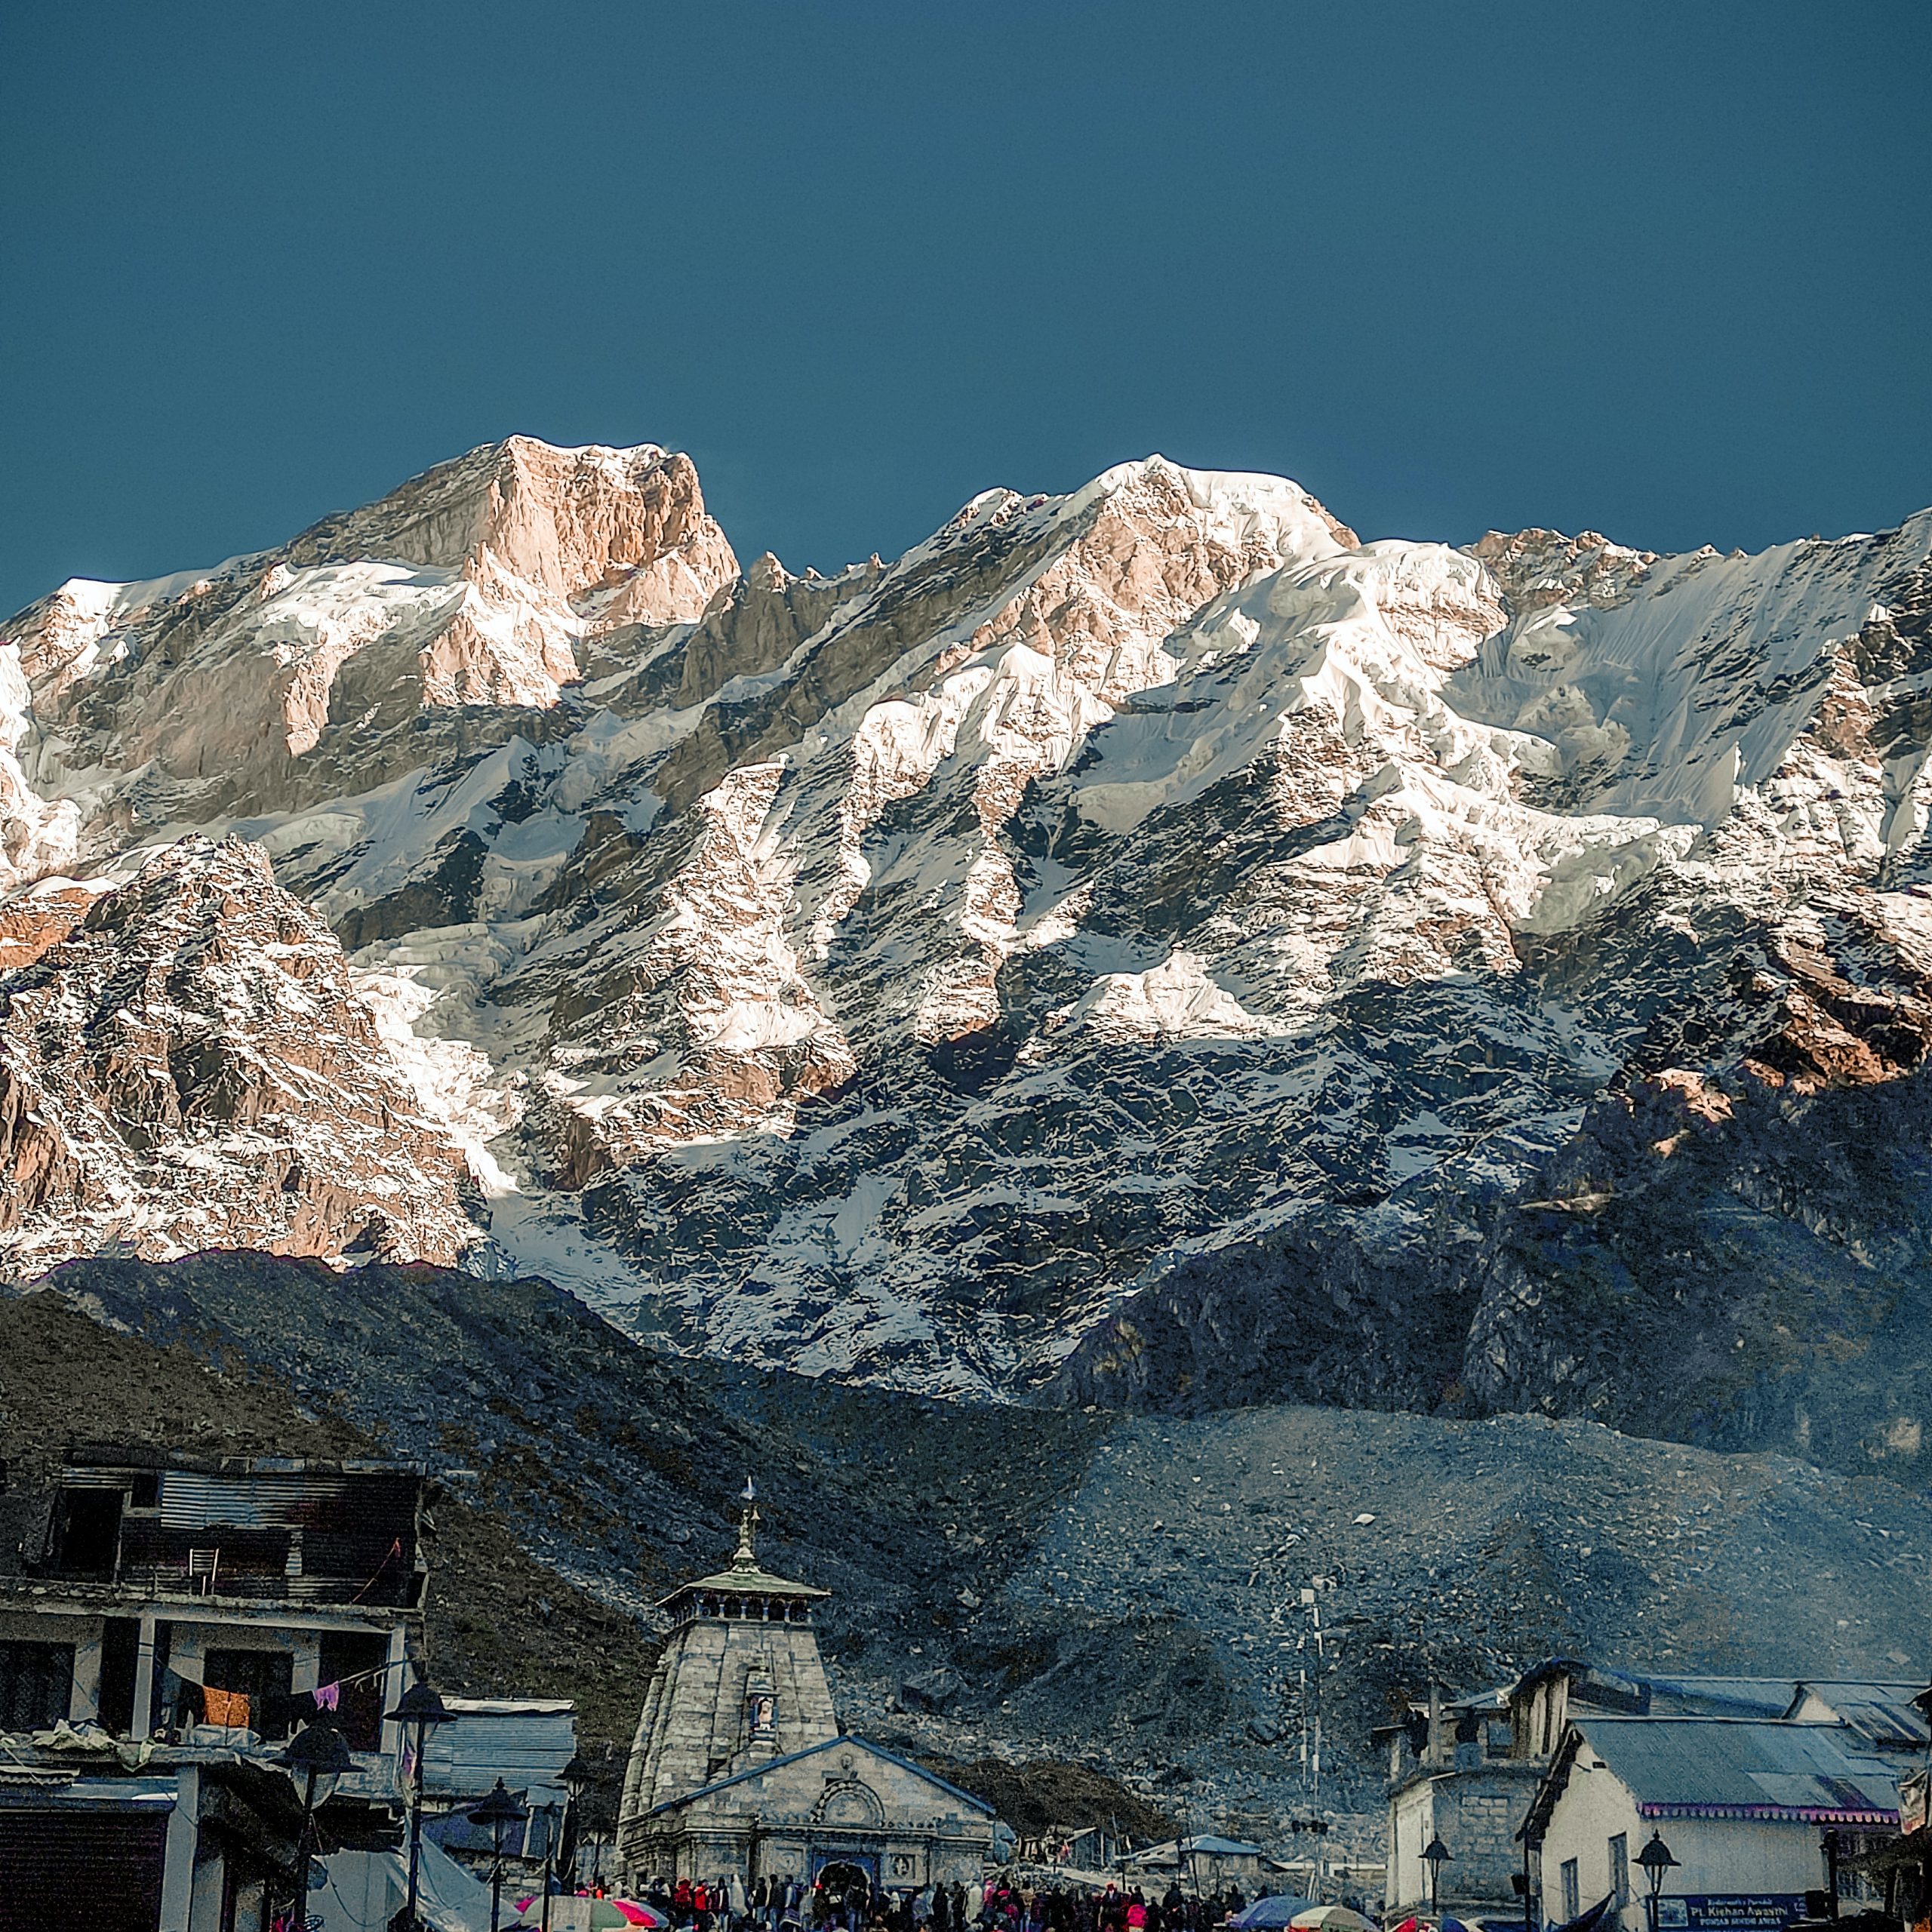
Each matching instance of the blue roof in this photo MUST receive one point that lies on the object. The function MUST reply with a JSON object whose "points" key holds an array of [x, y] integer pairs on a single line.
{"points": [[1881, 1712], [812, 1751], [1714, 1766]]}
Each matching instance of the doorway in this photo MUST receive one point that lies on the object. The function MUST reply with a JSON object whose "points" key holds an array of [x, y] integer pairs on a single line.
{"points": [[842, 1883]]}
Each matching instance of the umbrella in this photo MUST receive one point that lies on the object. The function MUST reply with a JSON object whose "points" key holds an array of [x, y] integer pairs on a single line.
{"points": [[1415, 1923], [1330, 1918], [1266, 1914], [617, 1914]]}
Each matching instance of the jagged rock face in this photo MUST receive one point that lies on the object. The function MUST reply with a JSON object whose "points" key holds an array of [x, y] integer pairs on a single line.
{"points": [[189, 1067], [423, 624], [1144, 944]]}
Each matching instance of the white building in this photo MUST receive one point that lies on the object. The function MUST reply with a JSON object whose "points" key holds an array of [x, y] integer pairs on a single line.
{"points": [[1745, 1804], [1465, 1769]]}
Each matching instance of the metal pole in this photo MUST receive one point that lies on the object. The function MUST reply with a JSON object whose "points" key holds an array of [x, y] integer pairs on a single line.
{"points": [[550, 1858], [416, 1829], [496, 1875], [302, 1849]]}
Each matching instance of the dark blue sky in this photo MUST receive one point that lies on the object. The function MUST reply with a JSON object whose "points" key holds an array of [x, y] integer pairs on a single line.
{"points": [[1663, 269]]}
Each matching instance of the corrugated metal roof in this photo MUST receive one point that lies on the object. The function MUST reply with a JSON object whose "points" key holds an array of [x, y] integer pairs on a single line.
{"points": [[1677, 1767], [96, 1794], [526, 1745], [190, 1500], [1882, 1713], [1723, 1696]]}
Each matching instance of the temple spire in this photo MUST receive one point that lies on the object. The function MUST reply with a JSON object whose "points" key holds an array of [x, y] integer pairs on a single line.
{"points": [[746, 1558]]}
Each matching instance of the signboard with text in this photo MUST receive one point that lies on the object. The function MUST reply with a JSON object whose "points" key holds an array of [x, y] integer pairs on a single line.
{"points": [[1734, 1911]]}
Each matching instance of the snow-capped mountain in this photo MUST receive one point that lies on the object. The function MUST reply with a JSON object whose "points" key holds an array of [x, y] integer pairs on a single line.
{"points": [[918, 972]]}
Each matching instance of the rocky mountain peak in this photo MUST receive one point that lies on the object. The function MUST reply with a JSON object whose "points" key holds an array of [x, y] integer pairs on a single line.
{"points": [[1537, 568], [189, 1066], [625, 530], [293, 674]]}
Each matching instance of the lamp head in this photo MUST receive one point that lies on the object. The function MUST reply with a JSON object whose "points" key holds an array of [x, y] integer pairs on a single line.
{"points": [[317, 1756], [575, 1777], [1436, 1853], [496, 1811], [420, 1705], [1656, 1860]]}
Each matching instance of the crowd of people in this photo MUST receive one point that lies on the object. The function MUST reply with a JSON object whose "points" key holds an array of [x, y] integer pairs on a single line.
{"points": [[845, 1900]]}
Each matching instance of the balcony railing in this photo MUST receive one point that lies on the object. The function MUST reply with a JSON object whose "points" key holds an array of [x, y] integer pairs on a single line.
{"points": [[393, 1591]]}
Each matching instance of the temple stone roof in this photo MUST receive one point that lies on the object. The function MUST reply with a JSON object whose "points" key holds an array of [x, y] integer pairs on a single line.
{"points": [[745, 1577]]}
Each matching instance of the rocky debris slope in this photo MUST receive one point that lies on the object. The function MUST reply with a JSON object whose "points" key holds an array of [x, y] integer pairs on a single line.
{"points": [[1467, 1550], [1019, 1584], [1144, 943], [187, 1065]]}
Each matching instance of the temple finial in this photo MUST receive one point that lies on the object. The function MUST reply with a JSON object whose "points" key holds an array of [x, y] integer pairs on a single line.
{"points": [[746, 1558]]}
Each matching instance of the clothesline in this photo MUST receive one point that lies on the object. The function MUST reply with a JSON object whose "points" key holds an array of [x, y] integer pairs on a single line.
{"points": [[235, 1710], [186, 1669]]}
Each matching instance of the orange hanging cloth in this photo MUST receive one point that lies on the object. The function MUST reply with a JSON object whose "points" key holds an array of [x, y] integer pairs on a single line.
{"points": [[226, 1707]]}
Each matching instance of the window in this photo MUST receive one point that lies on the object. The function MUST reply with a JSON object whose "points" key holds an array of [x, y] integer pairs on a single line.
{"points": [[90, 1533], [36, 1682], [1571, 1905], [1619, 1871]]}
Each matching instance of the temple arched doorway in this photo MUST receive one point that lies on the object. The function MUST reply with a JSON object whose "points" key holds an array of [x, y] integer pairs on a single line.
{"points": [[844, 1883]]}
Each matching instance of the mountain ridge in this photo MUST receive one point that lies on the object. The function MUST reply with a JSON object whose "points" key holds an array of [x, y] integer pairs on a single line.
{"points": [[926, 973]]}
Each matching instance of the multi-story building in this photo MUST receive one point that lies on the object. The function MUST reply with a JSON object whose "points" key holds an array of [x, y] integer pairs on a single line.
{"points": [[167, 1622]]}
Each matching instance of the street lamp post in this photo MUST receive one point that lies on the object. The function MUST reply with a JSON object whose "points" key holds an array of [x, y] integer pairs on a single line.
{"points": [[1434, 1854], [1656, 1859], [575, 1779], [419, 1708], [498, 1809], [549, 1812], [317, 1757]]}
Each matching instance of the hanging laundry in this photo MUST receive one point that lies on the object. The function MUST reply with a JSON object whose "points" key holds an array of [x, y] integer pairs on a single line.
{"points": [[278, 1715], [328, 1697], [181, 1697], [226, 1707]]}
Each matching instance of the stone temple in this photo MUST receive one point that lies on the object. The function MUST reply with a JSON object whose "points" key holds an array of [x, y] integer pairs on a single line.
{"points": [[740, 1769]]}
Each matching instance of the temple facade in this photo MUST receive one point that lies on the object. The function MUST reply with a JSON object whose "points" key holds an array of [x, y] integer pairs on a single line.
{"points": [[740, 1769]]}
